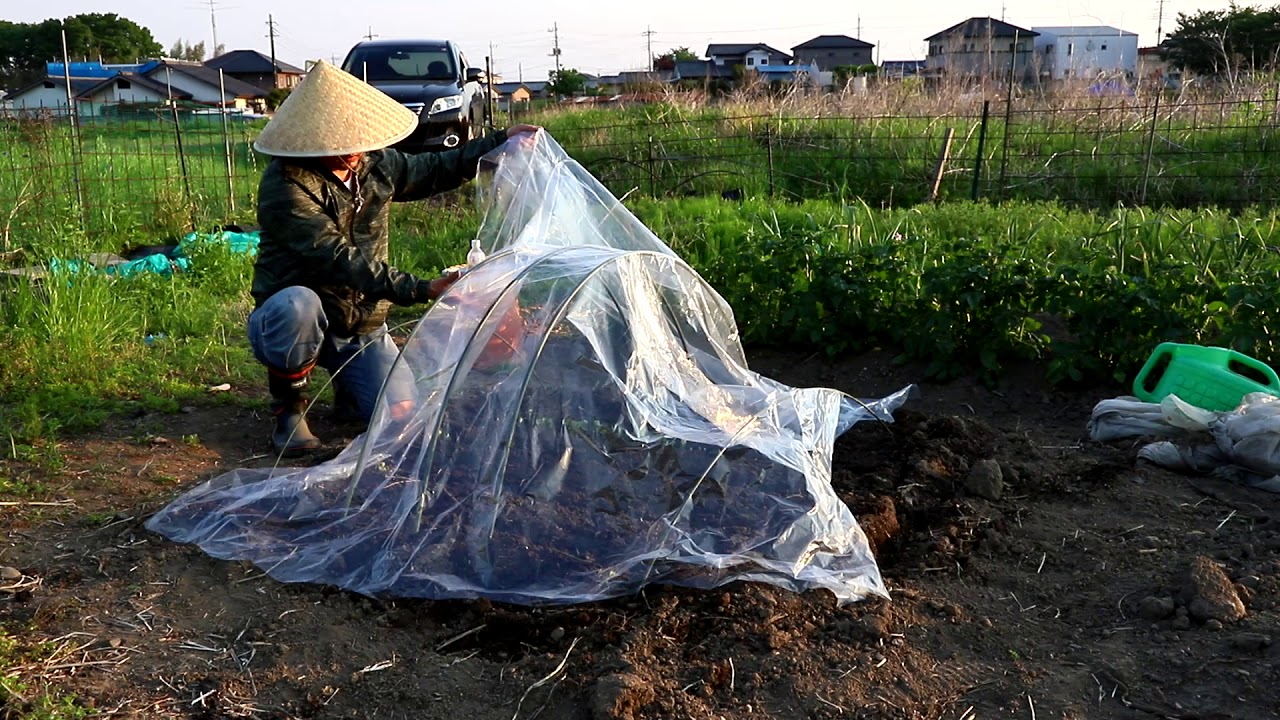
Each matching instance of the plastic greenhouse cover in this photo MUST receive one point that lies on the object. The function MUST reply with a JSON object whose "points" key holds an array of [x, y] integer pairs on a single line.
{"points": [[585, 423]]}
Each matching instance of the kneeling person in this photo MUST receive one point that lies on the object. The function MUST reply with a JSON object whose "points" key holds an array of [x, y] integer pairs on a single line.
{"points": [[322, 284]]}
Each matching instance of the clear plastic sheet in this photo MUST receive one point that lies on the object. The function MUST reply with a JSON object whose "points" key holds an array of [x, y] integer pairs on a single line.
{"points": [[585, 424]]}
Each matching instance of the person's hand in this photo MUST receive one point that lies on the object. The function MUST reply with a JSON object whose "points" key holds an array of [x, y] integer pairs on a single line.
{"points": [[528, 134], [441, 285]]}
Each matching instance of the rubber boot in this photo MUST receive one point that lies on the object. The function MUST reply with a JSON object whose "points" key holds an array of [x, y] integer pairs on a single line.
{"points": [[291, 436]]}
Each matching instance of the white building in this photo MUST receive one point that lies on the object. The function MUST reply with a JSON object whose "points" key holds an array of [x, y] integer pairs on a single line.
{"points": [[203, 85], [123, 90], [1085, 52]]}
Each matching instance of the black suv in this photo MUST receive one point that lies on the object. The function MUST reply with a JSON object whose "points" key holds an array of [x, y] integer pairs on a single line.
{"points": [[431, 78]]}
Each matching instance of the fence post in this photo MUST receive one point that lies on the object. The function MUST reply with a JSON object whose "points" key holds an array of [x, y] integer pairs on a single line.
{"points": [[226, 148], [488, 90], [982, 143], [77, 151], [182, 160], [1151, 146], [942, 165], [653, 178], [768, 142], [1008, 119]]}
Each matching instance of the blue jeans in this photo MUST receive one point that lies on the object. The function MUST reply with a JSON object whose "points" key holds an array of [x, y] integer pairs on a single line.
{"points": [[289, 332]]}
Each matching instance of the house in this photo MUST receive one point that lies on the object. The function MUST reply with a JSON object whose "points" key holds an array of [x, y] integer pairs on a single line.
{"points": [[1088, 52], [899, 69], [125, 89], [50, 93], [256, 69], [794, 75], [831, 51], [701, 72], [749, 55], [47, 95], [639, 79], [1154, 67], [609, 84], [513, 92], [205, 86], [981, 48]]}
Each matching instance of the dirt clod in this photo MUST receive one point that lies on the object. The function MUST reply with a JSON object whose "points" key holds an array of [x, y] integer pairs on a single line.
{"points": [[1182, 622], [9, 574], [1209, 594], [1156, 608], [985, 480], [619, 696]]}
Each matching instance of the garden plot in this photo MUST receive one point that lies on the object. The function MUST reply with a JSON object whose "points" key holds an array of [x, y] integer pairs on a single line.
{"points": [[1071, 592]]}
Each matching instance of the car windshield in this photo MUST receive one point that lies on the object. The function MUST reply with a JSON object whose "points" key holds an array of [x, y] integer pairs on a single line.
{"points": [[387, 64]]}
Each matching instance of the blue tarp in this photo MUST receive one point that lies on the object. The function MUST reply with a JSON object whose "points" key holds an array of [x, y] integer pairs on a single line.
{"points": [[179, 260]]}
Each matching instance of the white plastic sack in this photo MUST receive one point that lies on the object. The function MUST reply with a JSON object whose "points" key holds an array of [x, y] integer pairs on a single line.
{"points": [[585, 423], [1242, 444]]}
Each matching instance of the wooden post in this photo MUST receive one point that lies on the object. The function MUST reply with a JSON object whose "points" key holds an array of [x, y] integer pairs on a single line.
{"points": [[982, 144], [942, 164]]}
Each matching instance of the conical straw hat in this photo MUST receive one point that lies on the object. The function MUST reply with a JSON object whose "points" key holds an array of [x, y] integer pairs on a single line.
{"points": [[331, 112]]}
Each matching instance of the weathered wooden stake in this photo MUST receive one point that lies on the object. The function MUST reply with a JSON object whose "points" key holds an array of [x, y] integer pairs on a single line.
{"points": [[942, 165]]}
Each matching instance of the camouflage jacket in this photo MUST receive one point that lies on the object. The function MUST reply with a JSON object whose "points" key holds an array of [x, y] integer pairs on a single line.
{"points": [[315, 235]]}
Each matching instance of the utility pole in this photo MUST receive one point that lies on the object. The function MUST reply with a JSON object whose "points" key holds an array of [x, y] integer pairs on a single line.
{"points": [[275, 70], [648, 33], [859, 35], [370, 35], [213, 20], [555, 50]]}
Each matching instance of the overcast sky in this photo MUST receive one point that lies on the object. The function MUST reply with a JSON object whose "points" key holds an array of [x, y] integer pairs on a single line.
{"points": [[597, 36]]}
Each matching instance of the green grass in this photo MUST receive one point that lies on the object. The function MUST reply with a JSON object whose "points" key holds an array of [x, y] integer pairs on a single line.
{"points": [[78, 350]]}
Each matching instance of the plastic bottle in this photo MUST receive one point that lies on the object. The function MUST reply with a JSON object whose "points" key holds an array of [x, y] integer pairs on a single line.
{"points": [[476, 255]]}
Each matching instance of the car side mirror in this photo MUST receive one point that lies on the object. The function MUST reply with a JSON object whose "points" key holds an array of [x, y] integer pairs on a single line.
{"points": [[475, 75]]}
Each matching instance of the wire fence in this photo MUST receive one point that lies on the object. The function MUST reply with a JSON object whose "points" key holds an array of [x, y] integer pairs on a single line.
{"points": [[158, 170], [164, 170], [1094, 154]]}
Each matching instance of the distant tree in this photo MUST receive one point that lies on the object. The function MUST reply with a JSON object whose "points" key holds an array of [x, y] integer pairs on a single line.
{"points": [[1214, 42], [566, 82], [219, 51], [183, 51], [841, 74], [276, 97], [666, 62], [26, 47]]}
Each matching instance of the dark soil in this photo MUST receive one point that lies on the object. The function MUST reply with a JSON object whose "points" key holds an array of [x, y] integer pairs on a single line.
{"points": [[1089, 587]]}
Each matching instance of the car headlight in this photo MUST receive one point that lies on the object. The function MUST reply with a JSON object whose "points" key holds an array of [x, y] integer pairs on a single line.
{"points": [[445, 104]]}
